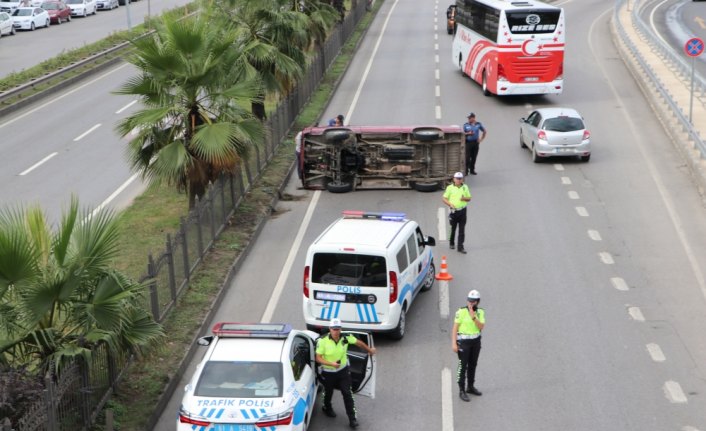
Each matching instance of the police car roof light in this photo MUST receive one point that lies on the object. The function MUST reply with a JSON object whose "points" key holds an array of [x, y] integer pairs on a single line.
{"points": [[389, 216], [251, 330]]}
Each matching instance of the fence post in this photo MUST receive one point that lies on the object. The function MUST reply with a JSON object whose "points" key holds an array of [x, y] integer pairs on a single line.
{"points": [[211, 209], [246, 165], [85, 393], [154, 296], [112, 370], [185, 249], [199, 235], [52, 422], [170, 267], [223, 181]]}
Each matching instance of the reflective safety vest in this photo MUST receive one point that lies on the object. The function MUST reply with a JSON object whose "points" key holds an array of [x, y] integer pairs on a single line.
{"points": [[466, 325], [333, 351]]}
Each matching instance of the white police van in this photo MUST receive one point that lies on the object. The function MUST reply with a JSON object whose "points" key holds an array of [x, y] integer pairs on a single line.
{"points": [[366, 269], [263, 376]]}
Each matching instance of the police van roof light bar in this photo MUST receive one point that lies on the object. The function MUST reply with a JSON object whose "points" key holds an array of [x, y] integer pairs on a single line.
{"points": [[251, 330], [389, 216]]}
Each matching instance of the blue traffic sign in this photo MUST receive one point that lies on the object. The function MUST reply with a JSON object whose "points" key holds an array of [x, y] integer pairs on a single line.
{"points": [[694, 47]]}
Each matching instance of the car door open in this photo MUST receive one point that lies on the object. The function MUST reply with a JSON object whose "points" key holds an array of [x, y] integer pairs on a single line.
{"points": [[362, 365]]}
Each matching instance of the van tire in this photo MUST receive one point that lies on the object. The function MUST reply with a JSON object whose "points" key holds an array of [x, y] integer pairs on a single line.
{"points": [[339, 187], [429, 279], [425, 187], [399, 331], [427, 134], [337, 135]]}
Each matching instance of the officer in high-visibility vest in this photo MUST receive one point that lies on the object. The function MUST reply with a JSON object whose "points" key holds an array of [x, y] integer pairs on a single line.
{"points": [[465, 341], [331, 351]]}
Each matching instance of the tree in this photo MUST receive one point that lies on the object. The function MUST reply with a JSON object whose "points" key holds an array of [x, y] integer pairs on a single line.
{"points": [[59, 297], [195, 123], [275, 37]]}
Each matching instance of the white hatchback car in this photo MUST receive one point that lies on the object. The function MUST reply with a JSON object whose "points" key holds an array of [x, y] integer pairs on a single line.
{"points": [[82, 7], [29, 18], [258, 376], [6, 27], [555, 132]]}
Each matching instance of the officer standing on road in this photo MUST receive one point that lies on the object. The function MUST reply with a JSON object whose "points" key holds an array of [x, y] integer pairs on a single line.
{"points": [[475, 134], [331, 353], [456, 197], [465, 341]]}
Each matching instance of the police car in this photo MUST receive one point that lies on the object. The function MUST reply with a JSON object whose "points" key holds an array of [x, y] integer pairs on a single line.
{"points": [[262, 376]]}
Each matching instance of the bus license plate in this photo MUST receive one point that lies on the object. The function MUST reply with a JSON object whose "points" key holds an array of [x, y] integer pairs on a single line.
{"points": [[532, 79]]}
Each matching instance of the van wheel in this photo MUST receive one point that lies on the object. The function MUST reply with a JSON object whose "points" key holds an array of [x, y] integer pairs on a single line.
{"points": [[337, 135], [339, 187], [425, 187], [426, 134], [429, 280], [398, 332]]}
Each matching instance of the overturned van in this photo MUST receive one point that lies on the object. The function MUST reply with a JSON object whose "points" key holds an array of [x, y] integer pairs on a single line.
{"points": [[342, 159]]}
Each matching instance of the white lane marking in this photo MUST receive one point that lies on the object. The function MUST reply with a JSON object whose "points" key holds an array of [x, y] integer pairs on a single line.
{"points": [[619, 284], [436, 74], [606, 258], [594, 235], [689, 428], [566, 180], [437, 91], [654, 172], [56, 99], [656, 352], [652, 22], [436, 36], [558, 167], [363, 78], [279, 286], [438, 112], [447, 410], [36, 165], [125, 107], [441, 223], [673, 392], [636, 314], [582, 211], [113, 196], [573, 195], [444, 298], [436, 47], [436, 58], [83, 135]]}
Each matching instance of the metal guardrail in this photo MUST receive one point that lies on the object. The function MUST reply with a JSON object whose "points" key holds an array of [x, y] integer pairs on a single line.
{"points": [[667, 53]]}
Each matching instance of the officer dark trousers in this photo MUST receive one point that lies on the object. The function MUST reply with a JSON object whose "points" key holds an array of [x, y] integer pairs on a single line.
{"points": [[472, 154], [457, 219], [468, 352], [340, 380]]}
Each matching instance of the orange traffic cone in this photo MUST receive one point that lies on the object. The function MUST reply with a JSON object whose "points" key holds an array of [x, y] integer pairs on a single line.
{"points": [[444, 273]]}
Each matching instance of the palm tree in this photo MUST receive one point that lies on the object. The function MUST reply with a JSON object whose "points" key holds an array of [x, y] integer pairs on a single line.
{"points": [[195, 123], [275, 37], [59, 297]]}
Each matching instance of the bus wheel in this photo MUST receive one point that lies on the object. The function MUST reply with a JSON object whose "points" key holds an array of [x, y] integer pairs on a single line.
{"points": [[485, 85], [460, 65]]}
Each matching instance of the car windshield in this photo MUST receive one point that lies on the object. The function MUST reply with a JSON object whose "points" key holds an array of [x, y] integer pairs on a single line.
{"points": [[240, 380], [50, 6], [22, 12], [563, 124]]}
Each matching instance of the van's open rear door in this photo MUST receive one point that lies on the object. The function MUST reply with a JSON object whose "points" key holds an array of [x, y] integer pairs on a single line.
{"points": [[362, 366]]}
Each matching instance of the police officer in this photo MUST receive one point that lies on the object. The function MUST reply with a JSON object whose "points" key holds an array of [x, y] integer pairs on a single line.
{"points": [[331, 353], [475, 134], [456, 197], [465, 341]]}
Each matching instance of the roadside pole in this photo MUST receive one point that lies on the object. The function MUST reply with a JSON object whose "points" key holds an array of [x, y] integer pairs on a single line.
{"points": [[693, 47]]}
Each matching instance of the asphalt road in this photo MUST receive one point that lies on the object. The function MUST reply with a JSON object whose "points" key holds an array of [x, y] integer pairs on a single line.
{"points": [[27, 49], [591, 274]]}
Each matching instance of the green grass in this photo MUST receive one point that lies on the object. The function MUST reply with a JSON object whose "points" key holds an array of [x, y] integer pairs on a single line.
{"points": [[154, 214]]}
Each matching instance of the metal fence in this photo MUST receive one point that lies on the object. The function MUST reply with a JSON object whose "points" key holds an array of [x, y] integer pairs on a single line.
{"points": [[74, 399], [676, 62]]}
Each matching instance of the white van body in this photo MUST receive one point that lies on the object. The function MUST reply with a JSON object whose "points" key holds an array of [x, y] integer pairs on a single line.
{"points": [[366, 269]]}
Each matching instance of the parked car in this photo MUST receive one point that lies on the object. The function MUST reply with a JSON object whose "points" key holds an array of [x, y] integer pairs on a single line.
{"points": [[262, 376], [6, 26], [29, 18], [106, 4], [82, 7], [58, 11], [550, 132], [9, 5], [451, 19]]}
